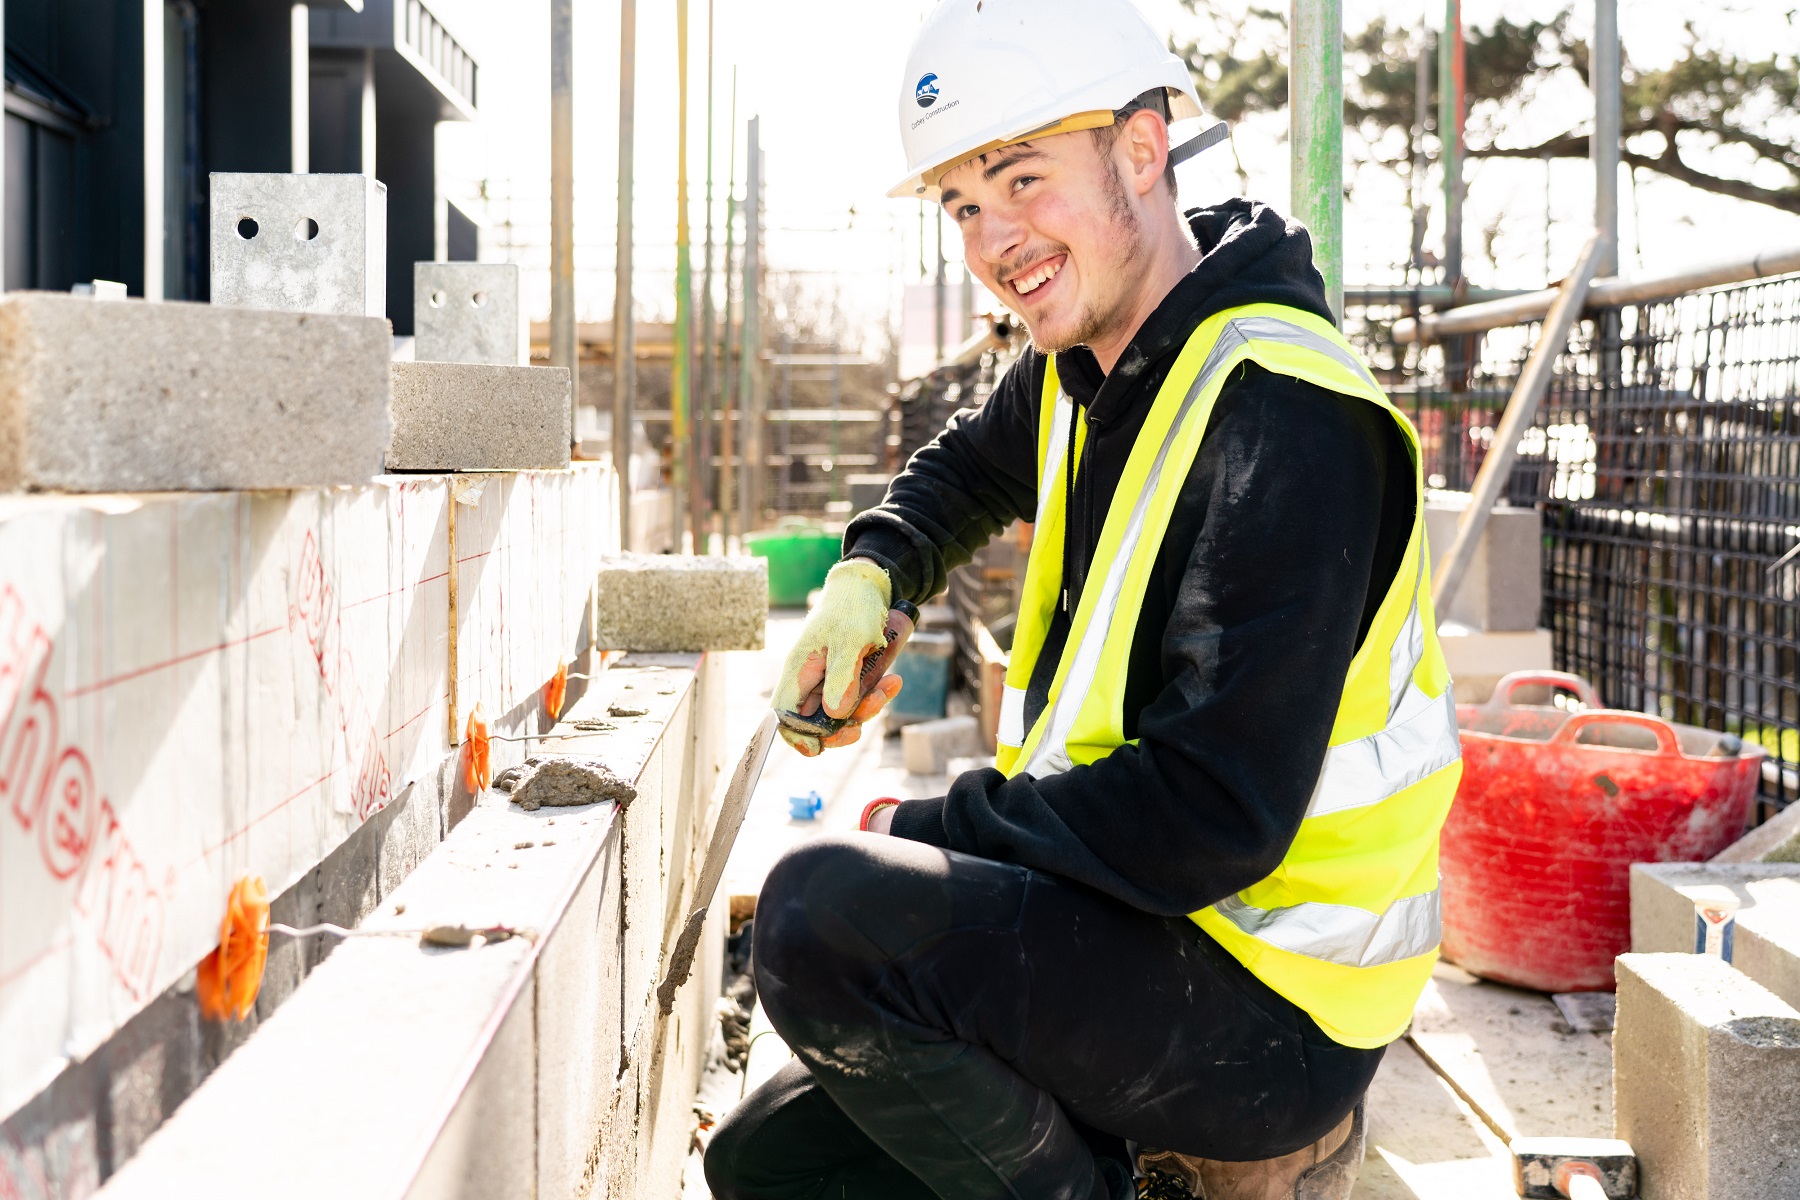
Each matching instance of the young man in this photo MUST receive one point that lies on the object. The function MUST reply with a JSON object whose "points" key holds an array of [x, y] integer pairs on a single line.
{"points": [[1170, 933]]}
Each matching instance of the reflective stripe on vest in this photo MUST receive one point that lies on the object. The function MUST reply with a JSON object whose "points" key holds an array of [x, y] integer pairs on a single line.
{"points": [[1347, 926]]}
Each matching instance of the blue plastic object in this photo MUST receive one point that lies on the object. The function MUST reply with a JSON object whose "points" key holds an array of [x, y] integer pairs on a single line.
{"points": [[807, 807]]}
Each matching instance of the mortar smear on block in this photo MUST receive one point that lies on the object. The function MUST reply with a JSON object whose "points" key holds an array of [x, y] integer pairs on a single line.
{"points": [[568, 782]]}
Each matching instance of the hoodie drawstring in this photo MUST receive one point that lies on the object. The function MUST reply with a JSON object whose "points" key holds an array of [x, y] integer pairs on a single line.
{"points": [[1069, 501]]}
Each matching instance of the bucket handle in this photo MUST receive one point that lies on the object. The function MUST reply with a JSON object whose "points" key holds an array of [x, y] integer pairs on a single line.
{"points": [[1584, 691], [1570, 730]]}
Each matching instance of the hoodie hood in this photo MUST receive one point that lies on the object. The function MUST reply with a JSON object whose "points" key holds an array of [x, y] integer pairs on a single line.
{"points": [[1251, 254]]}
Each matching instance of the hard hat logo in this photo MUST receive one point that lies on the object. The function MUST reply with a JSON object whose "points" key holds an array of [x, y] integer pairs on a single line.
{"points": [[926, 93]]}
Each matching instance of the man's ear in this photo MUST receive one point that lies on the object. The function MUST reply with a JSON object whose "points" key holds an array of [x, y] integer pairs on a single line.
{"points": [[1144, 141]]}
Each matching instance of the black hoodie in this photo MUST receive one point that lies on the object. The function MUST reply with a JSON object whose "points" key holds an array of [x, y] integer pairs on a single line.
{"points": [[1284, 540]]}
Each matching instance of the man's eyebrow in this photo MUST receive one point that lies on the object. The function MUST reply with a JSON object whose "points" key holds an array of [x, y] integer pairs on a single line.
{"points": [[1009, 157]]}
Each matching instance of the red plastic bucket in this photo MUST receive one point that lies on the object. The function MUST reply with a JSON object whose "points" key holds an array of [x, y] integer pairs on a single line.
{"points": [[1553, 809]]}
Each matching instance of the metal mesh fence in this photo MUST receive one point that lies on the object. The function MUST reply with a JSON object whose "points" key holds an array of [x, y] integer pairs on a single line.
{"points": [[1666, 459]]}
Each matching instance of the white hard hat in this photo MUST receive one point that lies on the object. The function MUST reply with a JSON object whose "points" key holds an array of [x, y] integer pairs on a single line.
{"points": [[983, 74]]}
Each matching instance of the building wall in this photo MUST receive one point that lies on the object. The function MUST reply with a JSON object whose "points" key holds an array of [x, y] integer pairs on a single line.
{"points": [[75, 177]]}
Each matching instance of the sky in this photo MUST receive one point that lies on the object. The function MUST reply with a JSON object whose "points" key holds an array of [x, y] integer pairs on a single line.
{"points": [[824, 76]]}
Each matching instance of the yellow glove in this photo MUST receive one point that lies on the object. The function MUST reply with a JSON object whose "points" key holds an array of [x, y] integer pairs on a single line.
{"points": [[839, 633]]}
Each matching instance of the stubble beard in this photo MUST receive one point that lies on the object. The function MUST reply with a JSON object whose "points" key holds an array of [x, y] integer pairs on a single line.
{"points": [[1093, 320]]}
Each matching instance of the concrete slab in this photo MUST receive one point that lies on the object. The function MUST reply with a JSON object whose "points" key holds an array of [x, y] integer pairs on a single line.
{"points": [[1766, 938], [475, 417], [1705, 1059], [927, 747], [681, 603], [131, 397], [300, 243], [1503, 591], [466, 312], [1424, 1143], [1776, 840], [1479, 660], [1514, 1056]]}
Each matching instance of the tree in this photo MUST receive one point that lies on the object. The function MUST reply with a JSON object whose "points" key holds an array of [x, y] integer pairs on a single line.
{"points": [[1713, 119]]}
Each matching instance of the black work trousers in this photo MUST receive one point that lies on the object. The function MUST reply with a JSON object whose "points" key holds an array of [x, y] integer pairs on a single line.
{"points": [[969, 1029]]}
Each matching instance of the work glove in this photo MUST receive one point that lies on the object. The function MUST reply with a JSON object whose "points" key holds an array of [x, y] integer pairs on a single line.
{"points": [[843, 628]]}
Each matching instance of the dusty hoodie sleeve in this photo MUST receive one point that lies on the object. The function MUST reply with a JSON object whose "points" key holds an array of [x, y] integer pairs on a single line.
{"points": [[1288, 491], [959, 491]]}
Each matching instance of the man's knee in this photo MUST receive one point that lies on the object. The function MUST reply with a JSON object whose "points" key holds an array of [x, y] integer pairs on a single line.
{"points": [[811, 902], [848, 902], [723, 1154]]}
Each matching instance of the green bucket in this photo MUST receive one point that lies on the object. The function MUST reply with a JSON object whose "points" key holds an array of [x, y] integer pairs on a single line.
{"points": [[799, 554]]}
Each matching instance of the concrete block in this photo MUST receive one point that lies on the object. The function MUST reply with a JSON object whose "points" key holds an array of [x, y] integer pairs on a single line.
{"points": [[300, 243], [473, 417], [867, 491], [1503, 591], [658, 603], [580, 1023], [488, 1146], [1776, 840], [1479, 660], [928, 746], [1705, 1063], [466, 312], [130, 397], [1766, 939]]}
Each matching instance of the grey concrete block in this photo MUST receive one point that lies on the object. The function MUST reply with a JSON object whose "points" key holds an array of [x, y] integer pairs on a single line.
{"points": [[467, 312], [473, 417], [1503, 591], [488, 1146], [580, 1024], [1776, 840], [1766, 940], [1703, 1057], [867, 491], [660, 603], [300, 243], [132, 397], [928, 746]]}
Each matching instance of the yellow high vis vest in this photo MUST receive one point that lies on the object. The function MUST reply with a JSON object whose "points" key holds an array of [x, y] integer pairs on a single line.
{"points": [[1347, 926]]}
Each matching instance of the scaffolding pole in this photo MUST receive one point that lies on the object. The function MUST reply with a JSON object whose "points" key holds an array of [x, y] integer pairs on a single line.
{"points": [[562, 201], [1451, 113], [1604, 149], [1316, 138], [750, 490], [703, 407], [681, 371], [624, 330], [727, 378]]}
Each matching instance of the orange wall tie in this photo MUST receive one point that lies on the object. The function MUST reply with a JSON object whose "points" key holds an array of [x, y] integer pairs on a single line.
{"points": [[556, 690], [229, 978], [478, 769]]}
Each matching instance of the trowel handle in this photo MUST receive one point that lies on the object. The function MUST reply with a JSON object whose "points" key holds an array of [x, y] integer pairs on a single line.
{"points": [[903, 618]]}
